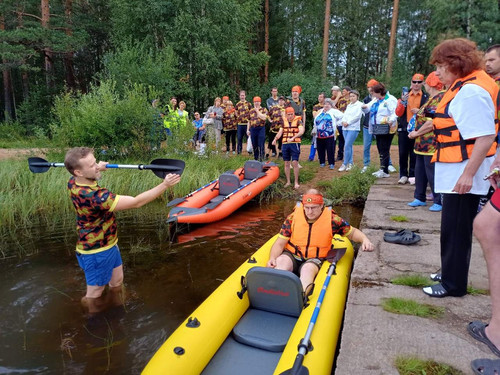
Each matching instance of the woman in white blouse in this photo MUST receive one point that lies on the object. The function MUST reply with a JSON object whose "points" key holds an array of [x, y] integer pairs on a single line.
{"points": [[350, 128]]}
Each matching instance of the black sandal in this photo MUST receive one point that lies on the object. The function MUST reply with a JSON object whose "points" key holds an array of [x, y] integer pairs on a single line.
{"points": [[436, 276], [437, 291]]}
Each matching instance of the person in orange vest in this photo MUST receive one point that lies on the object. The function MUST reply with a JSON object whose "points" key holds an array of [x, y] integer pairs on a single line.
{"points": [[305, 238], [465, 128], [291, 130]]}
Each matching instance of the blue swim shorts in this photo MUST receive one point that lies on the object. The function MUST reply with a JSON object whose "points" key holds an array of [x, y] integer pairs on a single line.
{"points": [[291, 151], [99, 267]]}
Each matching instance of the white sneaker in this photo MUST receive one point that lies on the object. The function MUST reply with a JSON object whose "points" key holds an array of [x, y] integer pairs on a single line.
{"points": [[342, 168], [411, 180], [349, 167], [403, 180], [381, 174], [365, 168], [392, 169]]}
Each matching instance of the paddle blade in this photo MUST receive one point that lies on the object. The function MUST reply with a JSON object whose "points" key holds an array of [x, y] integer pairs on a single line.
{"points": [[298, 368], [162, 167], [340, 253], [38, 165]]}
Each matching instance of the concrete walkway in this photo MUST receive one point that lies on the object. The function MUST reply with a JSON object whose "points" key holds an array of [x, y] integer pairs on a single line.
{"points": [[372, 338]]}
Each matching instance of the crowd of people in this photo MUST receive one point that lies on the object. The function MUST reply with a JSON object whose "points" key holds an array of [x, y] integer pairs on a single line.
{"points": [[447, 138]]}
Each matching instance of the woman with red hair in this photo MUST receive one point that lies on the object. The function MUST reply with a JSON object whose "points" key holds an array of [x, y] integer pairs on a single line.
{"points": [[464, 125]]}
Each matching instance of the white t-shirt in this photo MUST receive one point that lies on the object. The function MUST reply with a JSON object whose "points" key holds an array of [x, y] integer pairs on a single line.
{"points": [[473, 111]]}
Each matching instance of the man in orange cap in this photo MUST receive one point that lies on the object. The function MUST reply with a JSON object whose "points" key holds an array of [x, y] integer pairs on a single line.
{"points": [[408, 105], [297, 103], [291, 130], [305, 238], [257, 128]]}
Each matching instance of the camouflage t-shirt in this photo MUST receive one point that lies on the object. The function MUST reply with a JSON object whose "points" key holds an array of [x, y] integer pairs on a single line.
{"points": [[95, 219]]}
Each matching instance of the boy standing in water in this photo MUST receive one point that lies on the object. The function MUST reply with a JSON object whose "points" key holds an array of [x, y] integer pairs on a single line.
{"points": [[97, 246]]}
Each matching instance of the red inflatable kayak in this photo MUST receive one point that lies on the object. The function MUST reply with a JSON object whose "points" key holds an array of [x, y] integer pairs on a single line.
{"points": [[221, 197]]}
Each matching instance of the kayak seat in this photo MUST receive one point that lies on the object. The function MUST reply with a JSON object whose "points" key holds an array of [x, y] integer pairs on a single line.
{"points": [[228, 183], [252, 169], [276, 302]]}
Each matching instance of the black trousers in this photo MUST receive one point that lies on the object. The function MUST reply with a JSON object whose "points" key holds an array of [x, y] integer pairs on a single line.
{"points": [[328, 145], [241, 132], [405, 146], [230, 139], [340, 154], [384, 146], [457, 217]]}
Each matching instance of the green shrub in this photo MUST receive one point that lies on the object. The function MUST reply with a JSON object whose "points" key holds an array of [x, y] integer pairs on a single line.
{"points": [[121, 124]]}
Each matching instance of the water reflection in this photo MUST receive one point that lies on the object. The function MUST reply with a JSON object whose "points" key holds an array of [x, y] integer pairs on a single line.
{"points": [[44, 328]]}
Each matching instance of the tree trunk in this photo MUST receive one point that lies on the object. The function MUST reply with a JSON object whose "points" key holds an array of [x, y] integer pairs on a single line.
{"points": [[7, 84], [68, 57], [392, 41], [266, 39], [24, 73], [326, 37], [48, 65]]}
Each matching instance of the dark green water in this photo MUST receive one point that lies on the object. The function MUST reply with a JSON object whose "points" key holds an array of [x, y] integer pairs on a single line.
{"points": [[44, 330]]}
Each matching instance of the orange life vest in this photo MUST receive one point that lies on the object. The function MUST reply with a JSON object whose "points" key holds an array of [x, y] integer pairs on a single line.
{"points": [[451, 147], [311, 240], [289, 130]]}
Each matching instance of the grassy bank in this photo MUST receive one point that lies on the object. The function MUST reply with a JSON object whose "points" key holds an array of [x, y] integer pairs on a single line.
{"points": [[28, 199]]}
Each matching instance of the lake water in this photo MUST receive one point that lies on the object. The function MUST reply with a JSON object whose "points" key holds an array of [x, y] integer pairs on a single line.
{"points": [[44, 329]]}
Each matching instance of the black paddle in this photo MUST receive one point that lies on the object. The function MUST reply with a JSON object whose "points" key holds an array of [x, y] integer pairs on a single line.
{"points": [[298, 368], [160, 167]]}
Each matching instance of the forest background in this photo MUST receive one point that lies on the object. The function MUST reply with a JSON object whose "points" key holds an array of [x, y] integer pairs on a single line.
{"points": [[85, 71]]}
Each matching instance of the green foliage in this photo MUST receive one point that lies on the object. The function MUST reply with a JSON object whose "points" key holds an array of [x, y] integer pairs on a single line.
{"points": [[416, 366], [413, 280], [121, 123], [410, 307], [352, 187], [134, 63]]}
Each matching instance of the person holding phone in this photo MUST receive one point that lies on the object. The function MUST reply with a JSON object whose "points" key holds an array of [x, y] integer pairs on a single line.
{"points": [[408, 105]]}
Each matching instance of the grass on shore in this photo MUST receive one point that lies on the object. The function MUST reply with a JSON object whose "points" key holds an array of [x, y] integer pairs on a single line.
{"points": [[419, 281], [410, 307], [417, 366], [352, 187]]}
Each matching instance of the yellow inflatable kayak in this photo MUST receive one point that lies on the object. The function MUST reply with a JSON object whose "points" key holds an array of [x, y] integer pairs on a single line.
{"points": [[253, 322]]}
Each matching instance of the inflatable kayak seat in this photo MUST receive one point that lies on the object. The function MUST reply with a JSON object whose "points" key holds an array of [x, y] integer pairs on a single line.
{"points": [[276, 302], [252, 169], [228, 183]]}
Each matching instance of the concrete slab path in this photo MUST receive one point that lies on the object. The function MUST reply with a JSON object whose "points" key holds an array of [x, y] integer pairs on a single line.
{"points": [[373, 338]]}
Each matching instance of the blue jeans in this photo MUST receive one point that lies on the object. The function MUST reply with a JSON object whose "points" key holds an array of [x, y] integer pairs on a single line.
{"points": [[367, 142], [349, 138], [258, 134]]}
